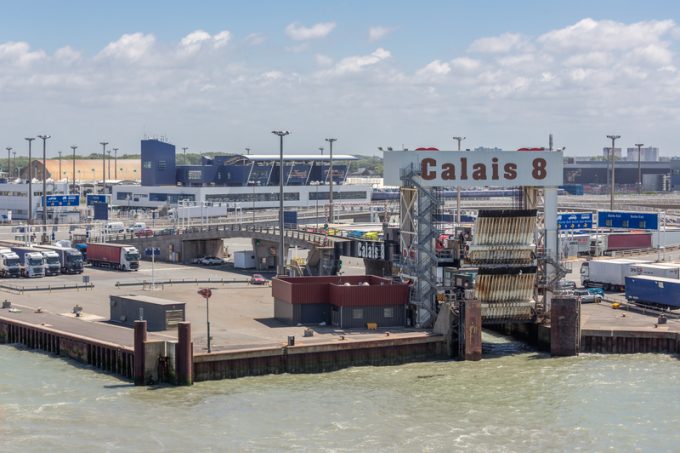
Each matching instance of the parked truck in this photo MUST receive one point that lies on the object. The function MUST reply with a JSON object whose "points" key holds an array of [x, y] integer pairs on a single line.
{"points": [[52, 263], [608, 274], [649, 290], [70, 259], [32, 262], [116, 256], [665, 270], [9, 264], [602, 244]]}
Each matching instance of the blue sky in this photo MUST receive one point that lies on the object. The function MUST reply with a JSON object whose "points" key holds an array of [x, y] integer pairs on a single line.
{"points": [[221, 75]]}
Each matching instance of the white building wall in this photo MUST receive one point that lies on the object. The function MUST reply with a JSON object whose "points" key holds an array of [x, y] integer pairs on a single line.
{"points": [[14, 197]]}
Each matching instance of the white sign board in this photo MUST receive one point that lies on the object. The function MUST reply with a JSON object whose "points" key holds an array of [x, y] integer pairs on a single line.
{"points": [[371, 250], [475, 168]]}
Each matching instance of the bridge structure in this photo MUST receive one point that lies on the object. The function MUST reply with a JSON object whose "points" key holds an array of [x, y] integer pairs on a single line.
{"points": [[325, 251]]}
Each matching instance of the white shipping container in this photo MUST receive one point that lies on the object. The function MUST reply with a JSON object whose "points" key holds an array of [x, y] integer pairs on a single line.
{"points": [[611, 274], [244, 259], [665, 270]]}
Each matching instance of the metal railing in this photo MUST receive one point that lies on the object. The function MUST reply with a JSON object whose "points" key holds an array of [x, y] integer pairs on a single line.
{"points": [[49, 288], [183, 281]]}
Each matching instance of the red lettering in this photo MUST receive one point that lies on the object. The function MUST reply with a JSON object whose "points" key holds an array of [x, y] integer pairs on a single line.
{"points": [[510, 171], [448, 172], [425, 172]]}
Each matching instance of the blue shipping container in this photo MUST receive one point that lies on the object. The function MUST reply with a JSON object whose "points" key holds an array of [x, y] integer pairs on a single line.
{"points": [[653, 290]]}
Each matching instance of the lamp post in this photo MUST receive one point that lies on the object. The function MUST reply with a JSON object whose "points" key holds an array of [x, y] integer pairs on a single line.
{"points": [[639, 147], [103, 166], [74, 147], [613, 183], [59, 152], [9, 163], [109, 165], [115, 164], [281, 266], [14, 156], [330, 184], [30, 181], [247, 151], [44, 184], [458, 139], [185, 154]]}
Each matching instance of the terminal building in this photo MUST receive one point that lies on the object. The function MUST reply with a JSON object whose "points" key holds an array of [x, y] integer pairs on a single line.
{"points": [[594, 175], [245, 181]]}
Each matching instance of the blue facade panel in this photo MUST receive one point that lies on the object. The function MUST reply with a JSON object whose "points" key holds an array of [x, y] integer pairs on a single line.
{"points": [[158, 163]]}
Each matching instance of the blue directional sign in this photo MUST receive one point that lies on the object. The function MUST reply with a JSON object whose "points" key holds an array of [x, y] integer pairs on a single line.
{"points": [[629, 220], [152, 251], [290, 219], [91, 199], [101, 211], [62, 200], [575, 221]]}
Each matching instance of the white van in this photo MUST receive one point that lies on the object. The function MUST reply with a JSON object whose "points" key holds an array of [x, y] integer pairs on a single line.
{"points": [[114, 228], [135, 227]]}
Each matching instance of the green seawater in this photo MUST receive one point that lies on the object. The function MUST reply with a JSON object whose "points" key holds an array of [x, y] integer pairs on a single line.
{"points": [[513, 400]]}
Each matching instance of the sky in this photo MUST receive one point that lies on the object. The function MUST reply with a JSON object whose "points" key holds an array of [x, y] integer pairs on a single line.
{"points": [[221, 75]]}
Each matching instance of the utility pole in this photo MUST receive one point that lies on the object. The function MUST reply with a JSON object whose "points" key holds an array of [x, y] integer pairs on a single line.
{"points": [[458, 139], [613, 183], [9, 163], [639, 147], [44, 184], [74, 147], [115, 164], [282, 267], [109, 159], [103, 166], [30, 181], [330, 183]]}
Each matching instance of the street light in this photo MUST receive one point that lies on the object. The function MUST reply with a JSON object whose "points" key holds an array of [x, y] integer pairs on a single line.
{"points": [[185, 154], [103, 166], [44, 184], [9, 163], [30, 181], [14, 155], [115, 164], [74, 147], [330, 187], [639, 147], [613, 186], [281, 134], [458, 139], [59, 152], [109, 160], [247, 151]]}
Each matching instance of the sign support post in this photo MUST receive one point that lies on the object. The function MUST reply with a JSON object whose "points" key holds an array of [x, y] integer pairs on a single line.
{"points": [[206, 293]]}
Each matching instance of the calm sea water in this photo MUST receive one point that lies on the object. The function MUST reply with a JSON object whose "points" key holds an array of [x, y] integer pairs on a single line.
{"points": [[514, 400]]}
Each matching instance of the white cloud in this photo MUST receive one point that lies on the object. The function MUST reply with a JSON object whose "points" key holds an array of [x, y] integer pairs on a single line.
{"points": [[377, 33], [358, 63], [589, 34], [196, 40], [19, 53], [465, 64], [67, 55], [255, 39], [299, 32], [498, 44], [435, 68], [129, 47]]}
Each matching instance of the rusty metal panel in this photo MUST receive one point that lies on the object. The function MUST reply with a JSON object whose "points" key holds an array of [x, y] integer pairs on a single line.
{"points": [[372, 295]]}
